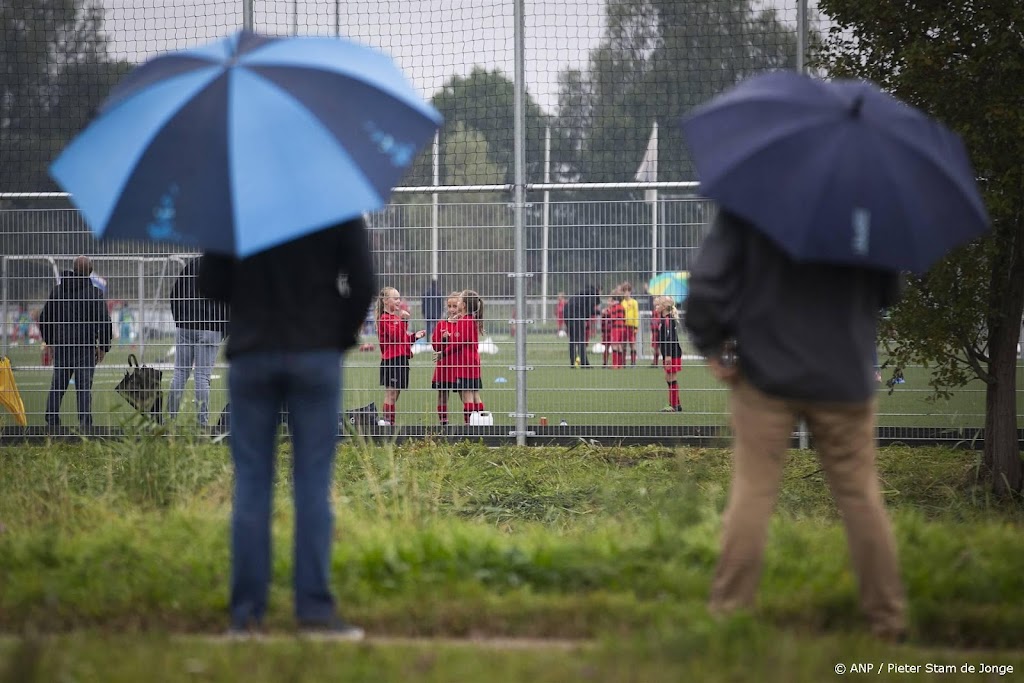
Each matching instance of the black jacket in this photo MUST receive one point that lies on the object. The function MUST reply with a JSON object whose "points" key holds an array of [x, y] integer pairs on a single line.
{"points": [[190, 309], [668, 337], [76, 314], [804, 331], [583, 305], [308, 294]]}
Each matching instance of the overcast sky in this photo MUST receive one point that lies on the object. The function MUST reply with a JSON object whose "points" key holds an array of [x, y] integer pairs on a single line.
{"points": [[431, 40]]}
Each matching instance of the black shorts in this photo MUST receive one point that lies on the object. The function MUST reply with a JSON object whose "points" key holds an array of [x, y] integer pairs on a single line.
{"points": [[394, 373], [467, 384], [444, 386]]}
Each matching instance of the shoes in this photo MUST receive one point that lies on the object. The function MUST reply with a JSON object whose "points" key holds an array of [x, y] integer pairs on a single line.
{"points": [[244, 631], [672, 409], [334, 629]]}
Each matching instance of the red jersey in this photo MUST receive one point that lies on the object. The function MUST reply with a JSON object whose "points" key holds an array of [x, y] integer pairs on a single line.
{"points": [[444, 370], [606, 326], [465, 355], [616, 313], [393, 335], [560, 313]]}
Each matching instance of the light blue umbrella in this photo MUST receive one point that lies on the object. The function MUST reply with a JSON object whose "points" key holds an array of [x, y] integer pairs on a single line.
{"points": [[246, 143], [675, 285]]}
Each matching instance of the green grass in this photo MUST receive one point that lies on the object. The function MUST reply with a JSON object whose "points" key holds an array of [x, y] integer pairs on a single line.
{"points": [[599, 396], [113, 564]]}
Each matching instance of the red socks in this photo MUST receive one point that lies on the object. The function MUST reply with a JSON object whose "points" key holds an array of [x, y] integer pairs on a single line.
{"points": [[389, 412], [673, 394], [468, 408], [442, 413]]}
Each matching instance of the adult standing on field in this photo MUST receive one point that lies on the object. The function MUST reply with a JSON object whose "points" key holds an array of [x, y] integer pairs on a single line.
{"points": [[76, 326], [199, 326], [578, 312], [294, 310], [805, 337], [432, 305]]}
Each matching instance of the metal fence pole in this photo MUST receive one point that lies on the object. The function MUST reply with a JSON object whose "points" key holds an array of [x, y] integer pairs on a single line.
{"points": [[519, 209], [801, 35], [247, 22], [545, 237], [3, 307], [141, 295], [435, 210]]}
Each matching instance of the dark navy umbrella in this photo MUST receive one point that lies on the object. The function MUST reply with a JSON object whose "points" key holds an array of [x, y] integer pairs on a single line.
{"points": [[837, 172], [246, 143]]}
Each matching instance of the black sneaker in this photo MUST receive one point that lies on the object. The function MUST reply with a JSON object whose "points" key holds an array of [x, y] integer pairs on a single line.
{"points": [[335, 629]]}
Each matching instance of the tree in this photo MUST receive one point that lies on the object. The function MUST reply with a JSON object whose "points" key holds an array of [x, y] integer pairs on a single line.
{"points": [[476, 236], [483, 101], [54, 72], [658, 60], [963, 62]]}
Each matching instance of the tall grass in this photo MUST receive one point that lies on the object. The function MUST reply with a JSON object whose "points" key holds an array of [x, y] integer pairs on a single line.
{"points": [[457, 539]]}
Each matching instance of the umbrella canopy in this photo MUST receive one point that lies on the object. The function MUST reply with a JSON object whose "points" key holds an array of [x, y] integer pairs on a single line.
{"points": [[675, 285], [246, 143], [838, 172], [10, 397]]}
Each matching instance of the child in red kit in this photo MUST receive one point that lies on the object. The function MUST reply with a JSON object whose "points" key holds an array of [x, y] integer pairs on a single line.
{"points": [[655, 331], [442, 340], [671, 351], [395, 348], [606, 330], [466, 346], [617, 322]]}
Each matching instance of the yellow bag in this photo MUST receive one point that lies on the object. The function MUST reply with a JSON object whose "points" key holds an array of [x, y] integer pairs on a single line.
{"points": [[10, 397]]}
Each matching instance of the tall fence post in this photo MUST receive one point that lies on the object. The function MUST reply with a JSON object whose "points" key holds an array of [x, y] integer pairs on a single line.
{"points": [[519, 210], [3, 305], [435, 236], [801, 35], [545, 237], [247, 22]]}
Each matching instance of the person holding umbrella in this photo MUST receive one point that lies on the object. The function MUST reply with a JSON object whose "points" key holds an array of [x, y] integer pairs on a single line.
{"points": [[264, 152], [813, 181], [296, 366]]}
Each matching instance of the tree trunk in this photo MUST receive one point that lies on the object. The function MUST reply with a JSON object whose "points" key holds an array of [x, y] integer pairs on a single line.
{"points": [[1002, 449]]}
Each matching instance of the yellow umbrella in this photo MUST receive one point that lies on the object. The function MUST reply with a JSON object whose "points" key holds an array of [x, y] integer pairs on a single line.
{"points": [[10, 397]]}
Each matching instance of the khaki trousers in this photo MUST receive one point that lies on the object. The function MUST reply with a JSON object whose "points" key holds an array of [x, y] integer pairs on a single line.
{"points": [[844, 436]]}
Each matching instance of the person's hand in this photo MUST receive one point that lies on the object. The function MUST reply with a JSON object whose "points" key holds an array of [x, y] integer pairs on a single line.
{"points": [[421, 334], [403, 314], [723, 373], [100, 353]]}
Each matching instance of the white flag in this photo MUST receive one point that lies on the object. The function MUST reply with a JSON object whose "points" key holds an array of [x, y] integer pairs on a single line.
{"points": [[648, 171]]}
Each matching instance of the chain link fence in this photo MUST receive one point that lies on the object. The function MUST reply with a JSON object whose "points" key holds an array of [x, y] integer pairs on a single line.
{"points": [[560, 167]]}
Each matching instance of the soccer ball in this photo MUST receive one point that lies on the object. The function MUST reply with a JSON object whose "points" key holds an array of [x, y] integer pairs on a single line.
{"points": [[561, 333]]}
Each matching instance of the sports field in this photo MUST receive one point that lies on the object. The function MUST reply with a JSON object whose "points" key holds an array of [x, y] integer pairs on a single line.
{"points": [[597, 396]]}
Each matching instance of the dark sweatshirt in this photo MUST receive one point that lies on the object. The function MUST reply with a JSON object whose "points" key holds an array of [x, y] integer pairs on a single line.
{"points": [[76, 314], [190, 309], [803, 330], [308, 294]]}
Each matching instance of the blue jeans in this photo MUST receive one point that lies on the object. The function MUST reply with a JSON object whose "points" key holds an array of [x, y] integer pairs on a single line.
{"points": [[198, 348], [308, 384], [69, 360]]}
